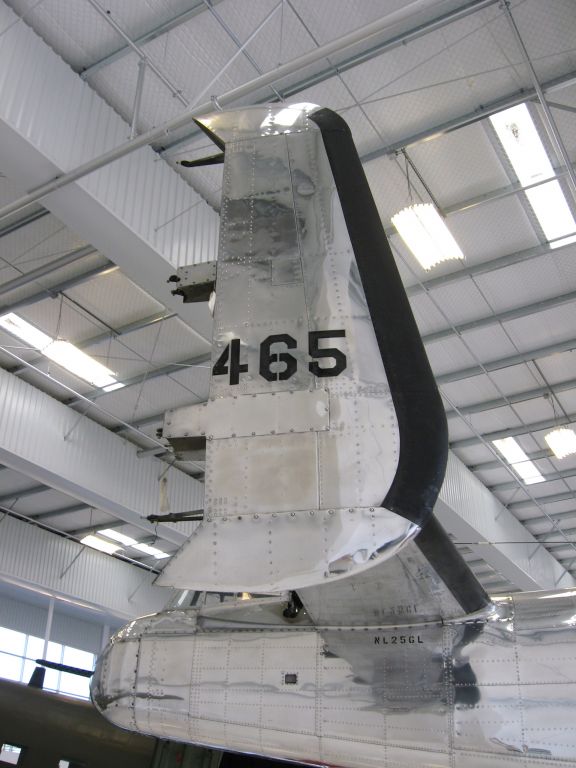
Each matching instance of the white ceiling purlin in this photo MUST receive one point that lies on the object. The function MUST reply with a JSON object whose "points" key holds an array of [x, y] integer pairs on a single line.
{"points": [[138, 211], [64, 450], [109, 206]]}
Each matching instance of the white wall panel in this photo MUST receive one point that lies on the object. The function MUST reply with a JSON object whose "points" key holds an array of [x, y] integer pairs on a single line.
{"points": [[137, 211], [467, 509], [33, 557], [51, 442], [23, 617]]}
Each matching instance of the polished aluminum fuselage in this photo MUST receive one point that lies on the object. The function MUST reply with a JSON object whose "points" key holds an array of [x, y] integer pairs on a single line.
{"points": [[307, 441], [491, 692]]}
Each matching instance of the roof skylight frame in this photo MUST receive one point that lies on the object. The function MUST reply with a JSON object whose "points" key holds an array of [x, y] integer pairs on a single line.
{"points": [[95, 542], [529, 158], [528, 472], [146, 549]]}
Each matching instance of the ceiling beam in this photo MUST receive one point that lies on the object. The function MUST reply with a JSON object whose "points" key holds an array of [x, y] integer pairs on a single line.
{"points": [[546, 537], [501, 317], [501, 464], [476, 519], [82, 459], [548, 476], [56, 565], [63, 511], [29, 218], [483, 267], [365, 34], [113, 333], [506, 362], [35, 274], [129, 210], [57, 290], [552, 498], [524, 429], [196, 7], [23, 494], [559, 516], [142, 378], [518, 397], [343, 63], [502, 192], [469, 118]]}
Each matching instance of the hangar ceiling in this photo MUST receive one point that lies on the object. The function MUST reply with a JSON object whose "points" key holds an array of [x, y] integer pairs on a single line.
{"points": [[417, 83]]}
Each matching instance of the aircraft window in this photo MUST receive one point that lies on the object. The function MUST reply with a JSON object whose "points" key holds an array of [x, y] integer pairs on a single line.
{"points": [[291, 678], [10, 754]]}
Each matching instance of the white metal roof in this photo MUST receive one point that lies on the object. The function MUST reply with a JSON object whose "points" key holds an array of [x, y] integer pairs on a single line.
{"points": [[499, 327]]}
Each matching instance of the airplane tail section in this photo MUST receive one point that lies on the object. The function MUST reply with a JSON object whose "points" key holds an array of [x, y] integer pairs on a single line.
{"points": [[325, 435]]}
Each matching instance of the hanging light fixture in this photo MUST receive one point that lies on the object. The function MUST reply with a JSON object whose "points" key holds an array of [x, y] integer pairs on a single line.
{"points": [[426, 234], [422, 227], [562, 442]]}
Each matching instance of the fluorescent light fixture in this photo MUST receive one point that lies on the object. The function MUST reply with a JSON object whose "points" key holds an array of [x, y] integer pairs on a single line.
{"points": [[425, 232], [562, 442], [62, 352], [110, 533], [100, 544], [157, 553], [518, 460], [527, 154]]}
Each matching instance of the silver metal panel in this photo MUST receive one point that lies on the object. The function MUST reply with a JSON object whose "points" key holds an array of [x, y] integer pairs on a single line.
{"points": [[279, 549], [402, 590], [478, 693], [267, 413], [196, 274], [261, 475], [289, 307]]}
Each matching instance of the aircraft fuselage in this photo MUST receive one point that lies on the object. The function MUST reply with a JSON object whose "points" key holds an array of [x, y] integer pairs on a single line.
{"points": [[240, 677]]}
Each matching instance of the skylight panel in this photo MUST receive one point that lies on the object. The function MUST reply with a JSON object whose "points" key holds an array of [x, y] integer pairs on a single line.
{"points": [[62, 352], [79, 363], [527, 154], [153, 551], [25, 331], [100, 544], [110, 533], [518, 460]]}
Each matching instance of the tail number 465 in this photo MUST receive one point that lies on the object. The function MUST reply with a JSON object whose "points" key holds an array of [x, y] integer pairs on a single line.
{"points": [[285, 364]]}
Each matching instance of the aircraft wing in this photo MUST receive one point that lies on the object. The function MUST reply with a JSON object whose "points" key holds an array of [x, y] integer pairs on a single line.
{"points": [[325, 434]]}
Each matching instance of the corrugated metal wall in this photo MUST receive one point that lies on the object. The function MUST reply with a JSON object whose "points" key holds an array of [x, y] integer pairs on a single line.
{"points": [[35, 557], [23, 617], [86, 460], [473, 514]]}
